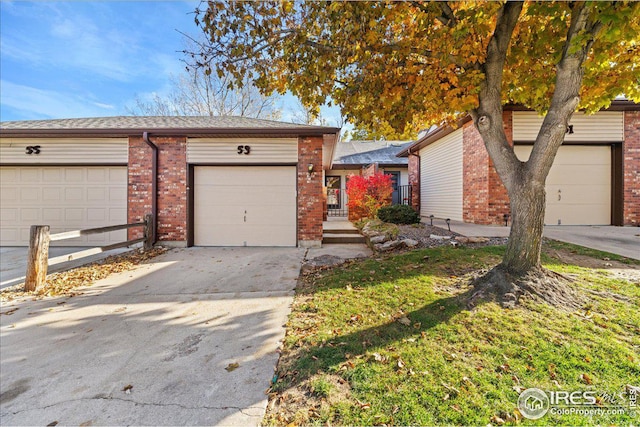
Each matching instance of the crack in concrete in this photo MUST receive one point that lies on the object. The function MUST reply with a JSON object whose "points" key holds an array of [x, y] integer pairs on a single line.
{"points": [[241, 410]]}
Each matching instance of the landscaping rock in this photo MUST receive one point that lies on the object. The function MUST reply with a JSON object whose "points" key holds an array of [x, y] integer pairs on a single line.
{"points": [[410, 243], [388, 246], [322, 261], [436, 237], [466, 240], [378, 239]]}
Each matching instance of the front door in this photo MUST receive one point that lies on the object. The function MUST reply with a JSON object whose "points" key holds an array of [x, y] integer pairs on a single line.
{"points": [[333, 192], [395, 178]]}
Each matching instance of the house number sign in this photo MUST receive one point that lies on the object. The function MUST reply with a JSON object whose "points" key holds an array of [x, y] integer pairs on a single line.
{"points": [[244, 149], [32, 149]]}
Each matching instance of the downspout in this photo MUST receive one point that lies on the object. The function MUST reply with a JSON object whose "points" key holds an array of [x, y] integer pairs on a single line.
{"points": [[154, 183], [417, 154]]}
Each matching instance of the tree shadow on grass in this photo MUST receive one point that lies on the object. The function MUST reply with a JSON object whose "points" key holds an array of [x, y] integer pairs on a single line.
{"points": [[302, 363]]}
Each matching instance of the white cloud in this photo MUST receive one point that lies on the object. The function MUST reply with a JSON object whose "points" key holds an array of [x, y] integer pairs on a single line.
{"points": [[33, 102]]}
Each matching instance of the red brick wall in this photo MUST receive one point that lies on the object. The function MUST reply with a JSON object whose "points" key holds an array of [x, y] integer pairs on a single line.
{"points": [[498, 197], [139, 183], [172, 185], [475, 179], [370, 170], [631, 159], [414, 181], [310, 195], [485, 199]]}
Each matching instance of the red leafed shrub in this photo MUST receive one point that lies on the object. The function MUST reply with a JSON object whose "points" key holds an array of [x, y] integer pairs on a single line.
{"points": [[367, 195]]}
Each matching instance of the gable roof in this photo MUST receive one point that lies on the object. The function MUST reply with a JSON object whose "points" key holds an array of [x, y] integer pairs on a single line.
{"points": [[352, 154], [158, 125]]}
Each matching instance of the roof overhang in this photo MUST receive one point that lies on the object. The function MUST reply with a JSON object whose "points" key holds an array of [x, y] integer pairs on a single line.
{"points": [[188, 132], [360, 166], [432, 137]]}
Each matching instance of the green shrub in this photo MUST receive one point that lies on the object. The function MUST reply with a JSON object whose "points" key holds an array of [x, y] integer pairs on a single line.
{"points": [[399, 214]]}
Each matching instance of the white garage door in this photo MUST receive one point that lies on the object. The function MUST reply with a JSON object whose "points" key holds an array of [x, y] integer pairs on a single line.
{"points": [[245, 206], [578, 186], [65, 198]]}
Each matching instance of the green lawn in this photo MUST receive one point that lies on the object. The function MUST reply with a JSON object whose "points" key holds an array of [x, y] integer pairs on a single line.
{"points": [[390, 341]]}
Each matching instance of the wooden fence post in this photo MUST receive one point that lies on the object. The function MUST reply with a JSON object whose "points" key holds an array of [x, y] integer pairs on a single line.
{"points": [[148, 231], [37, 258]]}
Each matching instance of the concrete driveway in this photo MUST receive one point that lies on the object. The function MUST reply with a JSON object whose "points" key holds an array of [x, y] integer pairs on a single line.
{"points": [[168, 329], [624, 241]]}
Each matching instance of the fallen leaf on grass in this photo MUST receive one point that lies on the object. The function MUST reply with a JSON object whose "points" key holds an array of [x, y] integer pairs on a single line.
{"points": [[363, 405], [456, 408], [497, 420], [586, 379], [232, 367], [405, 321]]}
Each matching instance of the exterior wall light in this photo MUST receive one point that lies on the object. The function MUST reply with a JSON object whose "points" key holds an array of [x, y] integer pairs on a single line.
{"points": [[310, 168]]}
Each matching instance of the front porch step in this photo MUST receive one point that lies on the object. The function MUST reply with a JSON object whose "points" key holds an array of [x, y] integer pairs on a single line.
{"points": [[331, 230], [342, 238]]}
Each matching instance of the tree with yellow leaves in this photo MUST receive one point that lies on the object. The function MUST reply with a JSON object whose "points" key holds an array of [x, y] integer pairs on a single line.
{"points": [[412, 64]]}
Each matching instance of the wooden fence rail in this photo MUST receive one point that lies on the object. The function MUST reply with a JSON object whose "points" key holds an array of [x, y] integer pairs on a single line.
{"points": [[39, 238]]}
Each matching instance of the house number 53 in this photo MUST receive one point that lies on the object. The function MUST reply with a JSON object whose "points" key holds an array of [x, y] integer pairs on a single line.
{"points": [[244, 149], [32, 149]]}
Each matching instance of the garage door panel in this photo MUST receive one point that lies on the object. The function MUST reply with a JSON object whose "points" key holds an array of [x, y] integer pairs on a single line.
{"points": [[29, 214], [29, 194], [581, 176], [29, 175], [52, 175], [51, 194], [64, 199], [253, 236], [573, 194], [73, 194], [578, 174], [245, 205], [73, 215], [74, 175]]}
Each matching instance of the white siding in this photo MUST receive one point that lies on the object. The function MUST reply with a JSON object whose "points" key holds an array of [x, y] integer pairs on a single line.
{"points": [[65, 151], [225, 150], [604, 126], [441, 178]]}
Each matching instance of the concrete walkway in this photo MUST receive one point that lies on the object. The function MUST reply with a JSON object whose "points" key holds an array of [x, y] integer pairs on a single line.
{"points": [[624, 241], [168, 329]]}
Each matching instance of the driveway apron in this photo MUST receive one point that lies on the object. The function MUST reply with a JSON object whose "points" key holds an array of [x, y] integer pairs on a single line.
{"points": [[190, 338]]}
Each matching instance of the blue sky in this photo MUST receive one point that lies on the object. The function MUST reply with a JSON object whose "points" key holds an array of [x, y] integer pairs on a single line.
{"points": [[86, 59]]}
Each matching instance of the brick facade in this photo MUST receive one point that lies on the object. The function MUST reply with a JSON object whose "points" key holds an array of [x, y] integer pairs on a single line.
{"points": [[631, 168], [485, 198], [310, 195], [414, 180], [139, 183], [172, 186], [370, 170]]}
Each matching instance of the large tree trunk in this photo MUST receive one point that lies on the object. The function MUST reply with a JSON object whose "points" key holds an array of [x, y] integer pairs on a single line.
{"points": [[527, 200], [520, 272]]}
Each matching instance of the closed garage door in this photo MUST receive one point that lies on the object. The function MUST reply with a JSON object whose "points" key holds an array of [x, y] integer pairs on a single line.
{"points": [[65, 198], [245, 206], [578, 186]]}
